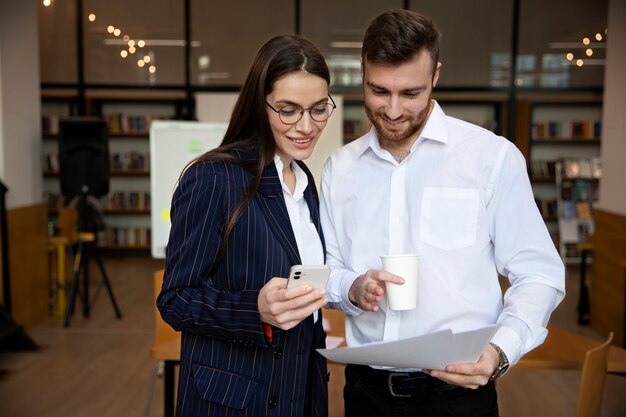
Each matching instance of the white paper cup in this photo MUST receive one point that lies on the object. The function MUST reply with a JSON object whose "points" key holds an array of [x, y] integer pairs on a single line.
{"points": [[402, 297]]}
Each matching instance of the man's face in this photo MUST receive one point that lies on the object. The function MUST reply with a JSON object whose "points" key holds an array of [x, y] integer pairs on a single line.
{"points": [[397, 97]]}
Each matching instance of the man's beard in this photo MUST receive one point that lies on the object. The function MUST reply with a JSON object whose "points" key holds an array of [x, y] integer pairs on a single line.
{"points": [[413, 127]]}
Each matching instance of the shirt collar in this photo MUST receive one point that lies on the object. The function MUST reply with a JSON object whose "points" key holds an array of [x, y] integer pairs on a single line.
{"points": [[301, 179], [435, 129]]}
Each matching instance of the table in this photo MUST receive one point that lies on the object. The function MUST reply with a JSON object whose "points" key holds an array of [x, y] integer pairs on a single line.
{"points": [[566, 350]]}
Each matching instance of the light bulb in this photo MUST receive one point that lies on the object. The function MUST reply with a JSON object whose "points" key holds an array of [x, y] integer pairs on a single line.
{"points": [[569, 56], [579, 62], [92, 17], [589, 51], [124, 54], [152, 69]]}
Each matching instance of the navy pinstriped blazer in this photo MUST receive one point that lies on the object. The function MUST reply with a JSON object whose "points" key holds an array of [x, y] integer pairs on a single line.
{"points": [[228, 368]]}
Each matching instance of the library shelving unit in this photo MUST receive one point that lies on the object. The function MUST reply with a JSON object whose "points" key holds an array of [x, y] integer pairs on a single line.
{"points": [[127, 206], [484, 109], [555, 132], [577, 194]]}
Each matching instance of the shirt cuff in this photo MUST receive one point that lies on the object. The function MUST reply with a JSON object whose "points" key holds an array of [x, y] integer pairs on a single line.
{"points": [[510, 344]]}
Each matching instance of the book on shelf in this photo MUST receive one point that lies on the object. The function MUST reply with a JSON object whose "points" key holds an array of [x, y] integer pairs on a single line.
{"points": [[567, 190], [120, 123], [129, 161], [125, 236], [123, 200], [543, 169], [583, 190], [596, 167], [50, 124], [569, 209], [583, 209], [576, 129]]}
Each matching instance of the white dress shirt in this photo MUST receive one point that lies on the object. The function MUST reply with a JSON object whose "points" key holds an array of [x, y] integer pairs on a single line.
{"points": [[308, 240], [463, 202]]}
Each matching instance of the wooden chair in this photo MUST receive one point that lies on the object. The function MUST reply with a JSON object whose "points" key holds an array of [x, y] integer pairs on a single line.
{"points": [[337, 322], [166, 350], [592, 380]]}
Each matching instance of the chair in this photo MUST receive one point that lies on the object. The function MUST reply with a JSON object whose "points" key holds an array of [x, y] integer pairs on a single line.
{"points": [[166, 350], [592, 380], [337, 322]]}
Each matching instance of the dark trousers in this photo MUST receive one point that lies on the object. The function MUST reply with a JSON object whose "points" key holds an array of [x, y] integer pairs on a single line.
{"points": [[373, 392]]}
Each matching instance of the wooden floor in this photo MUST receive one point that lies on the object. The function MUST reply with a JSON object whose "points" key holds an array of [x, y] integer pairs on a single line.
{"points": [[100, 366]]}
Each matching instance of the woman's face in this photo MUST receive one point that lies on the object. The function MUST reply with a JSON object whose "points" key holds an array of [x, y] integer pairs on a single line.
{"points": [[297, 89]]}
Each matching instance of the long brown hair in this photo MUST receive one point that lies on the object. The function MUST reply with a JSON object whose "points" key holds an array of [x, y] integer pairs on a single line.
{"points": [[249, 130]]}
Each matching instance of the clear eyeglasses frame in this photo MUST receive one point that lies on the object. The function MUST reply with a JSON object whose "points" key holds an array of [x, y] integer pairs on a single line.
{"points": [[292, 113]]}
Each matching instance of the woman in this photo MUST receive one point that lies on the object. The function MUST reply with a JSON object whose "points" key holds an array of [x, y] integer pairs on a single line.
{"points": [[248, 342]]}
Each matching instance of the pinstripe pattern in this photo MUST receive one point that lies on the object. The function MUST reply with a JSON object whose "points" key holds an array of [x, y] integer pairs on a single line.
{"points": [[227, 366]]}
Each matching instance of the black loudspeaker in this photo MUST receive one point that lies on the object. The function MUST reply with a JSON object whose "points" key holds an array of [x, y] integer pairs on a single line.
{"points": [[84, 157]]}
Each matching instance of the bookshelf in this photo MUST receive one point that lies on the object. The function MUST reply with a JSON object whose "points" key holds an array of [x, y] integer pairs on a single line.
{"points": [[558, 132], [126, 208]]}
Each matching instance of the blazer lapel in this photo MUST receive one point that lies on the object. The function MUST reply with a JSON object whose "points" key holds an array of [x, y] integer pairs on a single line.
{"points": [[272, 202]]}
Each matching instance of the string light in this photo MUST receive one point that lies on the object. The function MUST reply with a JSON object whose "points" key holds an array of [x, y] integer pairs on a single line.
{"points": [[123, 54], [117, 32], [579, 62], [47, 3], [598, 36], [141, 43], [146, 59], [92, 17], [140, 63], [110, 29], [132, 49], [589, 52], [569, 56], [586, 41], [152, 69]]}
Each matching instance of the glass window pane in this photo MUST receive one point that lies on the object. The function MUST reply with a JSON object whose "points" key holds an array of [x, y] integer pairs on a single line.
{"points": [[57, 42], [337, 28], [227, 36], [475, 43], [114, 58], [549, 31]]}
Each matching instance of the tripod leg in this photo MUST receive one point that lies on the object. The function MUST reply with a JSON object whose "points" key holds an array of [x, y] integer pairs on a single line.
{"points": [[74, 287], [85, 265], [106, 281]]}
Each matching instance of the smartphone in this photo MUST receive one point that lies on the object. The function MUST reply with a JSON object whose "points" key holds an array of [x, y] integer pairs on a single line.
{"points": [[314, 275]]}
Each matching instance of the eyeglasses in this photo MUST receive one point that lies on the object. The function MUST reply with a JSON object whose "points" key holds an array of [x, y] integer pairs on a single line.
{"points": [[292, 113]]}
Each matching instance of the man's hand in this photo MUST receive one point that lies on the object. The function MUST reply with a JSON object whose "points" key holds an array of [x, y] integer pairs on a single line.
{"points": [[470, 375], [284, 307], [367, 290]]}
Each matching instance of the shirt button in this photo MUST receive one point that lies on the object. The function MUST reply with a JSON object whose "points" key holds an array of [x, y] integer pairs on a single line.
{"points": [[273, 402]]}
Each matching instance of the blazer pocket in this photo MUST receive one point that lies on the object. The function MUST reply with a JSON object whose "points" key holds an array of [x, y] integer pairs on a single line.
{"points": [[223, 388], [449, 217]]}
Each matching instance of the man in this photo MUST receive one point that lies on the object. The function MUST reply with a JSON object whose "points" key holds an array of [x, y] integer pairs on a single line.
{"points": [[456, 194]]}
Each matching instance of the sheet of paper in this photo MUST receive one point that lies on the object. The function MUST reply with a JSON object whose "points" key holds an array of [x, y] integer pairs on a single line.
{"points": [[333, 341], [430, 351]]}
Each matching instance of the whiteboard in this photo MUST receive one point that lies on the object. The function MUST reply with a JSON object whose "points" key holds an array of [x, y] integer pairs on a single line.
{"points": [[173, 144]]}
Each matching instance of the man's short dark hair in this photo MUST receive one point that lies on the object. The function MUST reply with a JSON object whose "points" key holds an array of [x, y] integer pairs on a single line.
{"points": [[396, 36]]}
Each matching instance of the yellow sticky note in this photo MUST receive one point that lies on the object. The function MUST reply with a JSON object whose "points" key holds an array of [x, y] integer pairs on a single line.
{"points": [[165, 215]]}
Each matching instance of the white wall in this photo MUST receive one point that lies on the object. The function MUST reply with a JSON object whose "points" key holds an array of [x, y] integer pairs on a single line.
{"points": [[20, 120], [613, 151]]}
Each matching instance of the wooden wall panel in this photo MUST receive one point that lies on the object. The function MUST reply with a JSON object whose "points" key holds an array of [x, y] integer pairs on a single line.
{"points": [[608, 283], [28, 261]]}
